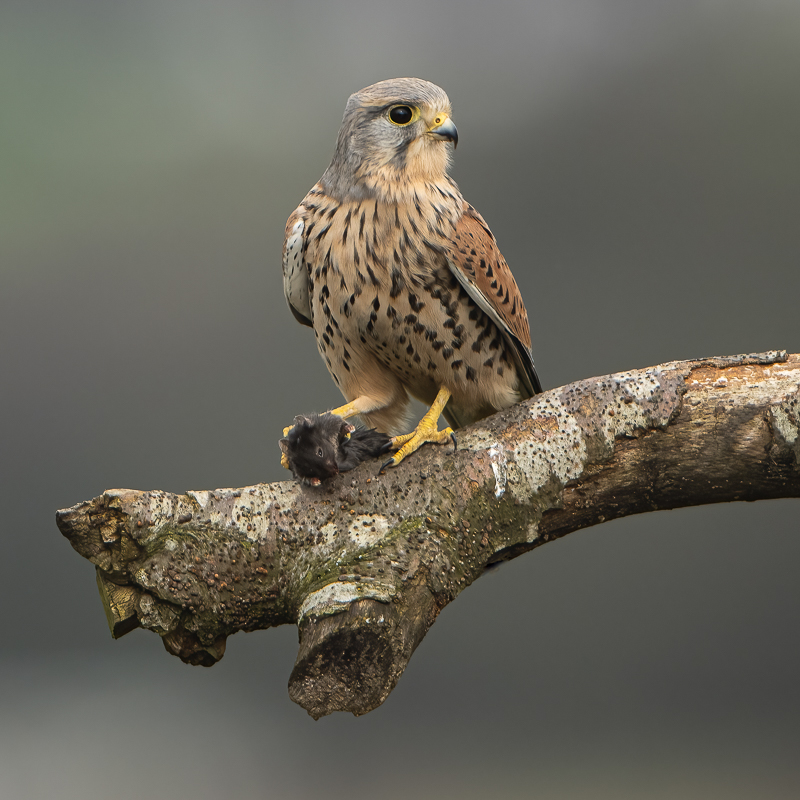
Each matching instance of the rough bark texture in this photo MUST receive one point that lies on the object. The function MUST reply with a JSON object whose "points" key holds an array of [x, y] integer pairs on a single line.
{"points": [[364, 564]]}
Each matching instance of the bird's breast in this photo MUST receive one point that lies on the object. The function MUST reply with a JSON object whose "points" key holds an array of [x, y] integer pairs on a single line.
{"points": [[383, 295]]}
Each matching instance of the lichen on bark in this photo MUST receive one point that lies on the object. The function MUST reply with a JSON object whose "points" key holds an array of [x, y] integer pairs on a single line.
{"points": [[364, 564]]}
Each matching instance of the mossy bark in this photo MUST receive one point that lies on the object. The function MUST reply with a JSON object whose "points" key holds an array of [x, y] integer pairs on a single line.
{"points": [[364, 564]]}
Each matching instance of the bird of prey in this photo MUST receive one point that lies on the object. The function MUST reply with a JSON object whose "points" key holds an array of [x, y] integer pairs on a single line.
{"points": [[401, 279]]}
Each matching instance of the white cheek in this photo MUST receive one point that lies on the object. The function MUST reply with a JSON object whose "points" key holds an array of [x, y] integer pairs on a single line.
{"points": [[428, 158]]}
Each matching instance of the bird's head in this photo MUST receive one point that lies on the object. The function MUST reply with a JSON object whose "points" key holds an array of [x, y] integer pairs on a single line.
{"points": [[394, 132]]}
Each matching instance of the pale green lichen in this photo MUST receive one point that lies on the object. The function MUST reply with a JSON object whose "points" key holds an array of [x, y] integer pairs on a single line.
{"points": [[334, 598], [367, 530], [562, 455]]}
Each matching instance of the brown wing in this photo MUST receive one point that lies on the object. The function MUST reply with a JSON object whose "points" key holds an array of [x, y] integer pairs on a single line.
{"points": [[480, 268]]}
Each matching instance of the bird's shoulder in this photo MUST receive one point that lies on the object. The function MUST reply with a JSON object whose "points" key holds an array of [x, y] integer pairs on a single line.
{"points": [[298, 220], [317, 215]]}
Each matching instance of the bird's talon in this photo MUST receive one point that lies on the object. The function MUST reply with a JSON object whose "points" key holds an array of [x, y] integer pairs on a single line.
{"points": [[455, 441]]}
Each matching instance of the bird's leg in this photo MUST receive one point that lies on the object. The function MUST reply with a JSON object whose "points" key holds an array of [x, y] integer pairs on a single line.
{"points": [[349, 409], [426, 431]]}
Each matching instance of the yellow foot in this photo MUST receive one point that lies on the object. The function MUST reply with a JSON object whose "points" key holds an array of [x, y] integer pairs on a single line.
{"points": [[426, 431], [413, 441], [284, 459]]}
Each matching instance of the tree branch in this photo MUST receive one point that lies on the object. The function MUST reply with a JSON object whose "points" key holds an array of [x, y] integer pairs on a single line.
{"points": [[364, 564]]}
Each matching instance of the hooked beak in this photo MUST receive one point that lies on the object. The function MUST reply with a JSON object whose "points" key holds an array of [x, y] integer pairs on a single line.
{"points": [[446, 130]]}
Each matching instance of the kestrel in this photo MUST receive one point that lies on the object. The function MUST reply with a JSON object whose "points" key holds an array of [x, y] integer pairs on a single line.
{"points": [[401, 279]]}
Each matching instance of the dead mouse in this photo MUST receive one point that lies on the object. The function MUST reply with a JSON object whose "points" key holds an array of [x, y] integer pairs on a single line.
{"points": [[320, 446]]}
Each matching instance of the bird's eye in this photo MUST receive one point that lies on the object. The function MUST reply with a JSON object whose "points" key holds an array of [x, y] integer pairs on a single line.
{"points": [[401, 115], [320, 453]]}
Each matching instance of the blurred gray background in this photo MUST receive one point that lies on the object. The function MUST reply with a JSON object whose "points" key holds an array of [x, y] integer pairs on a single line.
{"points": [[639, 162]]}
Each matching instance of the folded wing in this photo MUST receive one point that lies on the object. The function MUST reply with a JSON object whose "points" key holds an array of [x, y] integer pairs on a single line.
{"points": [[482, 271]]}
